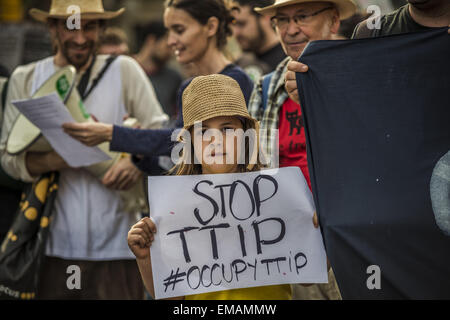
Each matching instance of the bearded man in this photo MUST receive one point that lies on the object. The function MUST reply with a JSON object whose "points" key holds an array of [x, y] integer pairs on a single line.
{"points": [[256, 37]]}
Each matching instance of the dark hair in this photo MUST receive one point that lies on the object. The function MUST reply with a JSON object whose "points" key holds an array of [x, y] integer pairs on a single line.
{"points": [[155, 28], [202, 10], [255, 4], [113, 36]]}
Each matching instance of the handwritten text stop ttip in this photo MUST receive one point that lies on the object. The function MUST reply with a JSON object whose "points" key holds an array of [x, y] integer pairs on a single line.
{"points": [[248, 227]]}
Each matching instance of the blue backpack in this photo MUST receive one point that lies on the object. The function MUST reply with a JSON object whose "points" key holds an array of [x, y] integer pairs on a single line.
{"points": [[265, 89]]}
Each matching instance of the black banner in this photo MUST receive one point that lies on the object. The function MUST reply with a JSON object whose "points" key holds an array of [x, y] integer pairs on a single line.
{"points": [[377, 119]]}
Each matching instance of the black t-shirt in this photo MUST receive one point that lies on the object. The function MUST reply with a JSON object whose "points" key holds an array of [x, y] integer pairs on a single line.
{"points": [[397, 22], [273, 56]]}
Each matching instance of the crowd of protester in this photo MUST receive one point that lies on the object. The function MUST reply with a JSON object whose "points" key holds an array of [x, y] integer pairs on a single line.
{"points": [[89, 227]]}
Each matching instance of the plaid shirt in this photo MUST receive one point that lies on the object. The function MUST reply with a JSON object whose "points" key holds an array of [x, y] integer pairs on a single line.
{"points": [[269, 117]]}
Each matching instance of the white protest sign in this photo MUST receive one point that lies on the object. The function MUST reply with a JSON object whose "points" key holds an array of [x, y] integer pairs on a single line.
{"points": [[228, 231]]}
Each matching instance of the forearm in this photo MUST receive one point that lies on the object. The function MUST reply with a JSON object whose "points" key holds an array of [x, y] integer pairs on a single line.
{"points": [[147, 142], [145, 268], [39, 163]]}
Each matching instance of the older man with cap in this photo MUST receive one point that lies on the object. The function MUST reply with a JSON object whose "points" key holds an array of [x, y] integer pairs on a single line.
{"points": [[415, 16], [89, 226], [296, 22]]}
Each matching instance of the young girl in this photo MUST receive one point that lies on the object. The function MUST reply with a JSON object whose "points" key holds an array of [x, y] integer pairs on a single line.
{"points": [[218, 103]]}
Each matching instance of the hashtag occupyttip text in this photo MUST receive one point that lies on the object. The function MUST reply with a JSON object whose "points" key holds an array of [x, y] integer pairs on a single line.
{"points": [[213, 275]]}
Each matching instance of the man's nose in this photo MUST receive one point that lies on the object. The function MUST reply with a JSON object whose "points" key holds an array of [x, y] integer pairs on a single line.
{"points": [[171, 40], [79, 37], [293, 28]]}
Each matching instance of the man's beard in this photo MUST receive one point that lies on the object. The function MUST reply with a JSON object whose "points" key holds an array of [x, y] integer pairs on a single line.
{"points": [[255, 44], [158, 60], [77, 60]]}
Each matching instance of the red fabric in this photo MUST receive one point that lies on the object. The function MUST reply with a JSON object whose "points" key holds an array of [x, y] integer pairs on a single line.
{"points": [[292, 143]]}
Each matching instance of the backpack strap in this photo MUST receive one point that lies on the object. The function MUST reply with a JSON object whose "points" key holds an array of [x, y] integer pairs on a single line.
{"points": [[3, 96], [82, 86], [265, 89]]}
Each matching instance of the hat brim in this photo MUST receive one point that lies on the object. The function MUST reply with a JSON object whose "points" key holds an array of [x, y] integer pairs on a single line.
{"points": [[346, 8], [253, 124], [222, 113], [42, 16]]}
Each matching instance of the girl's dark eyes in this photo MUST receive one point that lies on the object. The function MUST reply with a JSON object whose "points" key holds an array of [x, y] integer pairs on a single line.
{"points": [[178, 30], [224, 129]]}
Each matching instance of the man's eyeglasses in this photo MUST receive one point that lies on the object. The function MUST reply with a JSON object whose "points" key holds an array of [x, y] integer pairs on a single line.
{"points": [[300, 19]]}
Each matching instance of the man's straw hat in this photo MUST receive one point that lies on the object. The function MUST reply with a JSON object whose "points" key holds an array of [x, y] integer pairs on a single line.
{"points": [[346, 8], [89, 10], [213, 96]]}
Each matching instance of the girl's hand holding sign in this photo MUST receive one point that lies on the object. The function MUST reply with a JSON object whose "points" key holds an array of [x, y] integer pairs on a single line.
{"points": [[140, 238]]}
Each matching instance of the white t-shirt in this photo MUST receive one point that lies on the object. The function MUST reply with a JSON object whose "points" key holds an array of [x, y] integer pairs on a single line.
{"points": [[88, 221]]}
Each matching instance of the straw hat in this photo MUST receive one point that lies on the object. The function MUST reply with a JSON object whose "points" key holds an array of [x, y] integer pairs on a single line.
{"points": [[346, 8], [212, 96], [89, 10]]}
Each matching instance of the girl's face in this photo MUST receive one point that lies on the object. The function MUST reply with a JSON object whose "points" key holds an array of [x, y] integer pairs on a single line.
{"points": [[216, 152], [187, 38]]}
